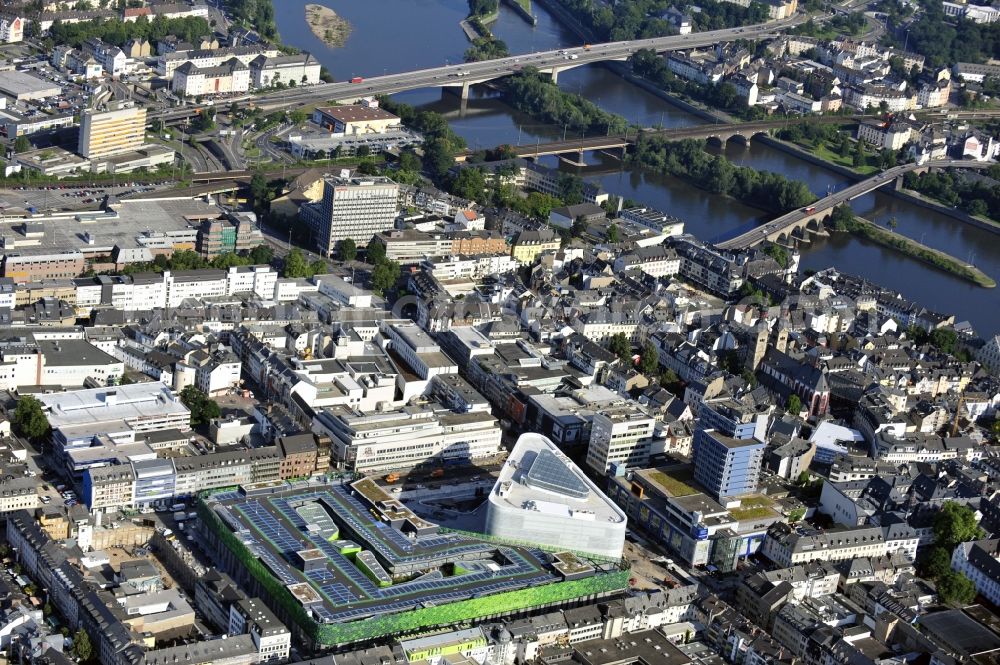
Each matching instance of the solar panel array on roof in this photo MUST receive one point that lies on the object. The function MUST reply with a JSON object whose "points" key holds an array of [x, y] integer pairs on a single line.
{"points": [[548, 472]]}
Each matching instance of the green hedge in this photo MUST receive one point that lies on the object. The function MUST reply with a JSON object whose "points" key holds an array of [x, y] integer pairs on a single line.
{"points": [[406, 622], [277, 591], [467, 610]]}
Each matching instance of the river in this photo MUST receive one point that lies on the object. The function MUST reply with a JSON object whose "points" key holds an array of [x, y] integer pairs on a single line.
{"points": [[398, 35]]}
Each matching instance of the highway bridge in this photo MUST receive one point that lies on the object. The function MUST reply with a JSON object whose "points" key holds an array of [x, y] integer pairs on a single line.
{"points": [[463, 75], [811, 218]]}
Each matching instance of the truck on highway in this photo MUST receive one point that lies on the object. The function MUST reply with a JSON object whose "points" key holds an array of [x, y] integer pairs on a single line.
{"points": [[357, 79]]}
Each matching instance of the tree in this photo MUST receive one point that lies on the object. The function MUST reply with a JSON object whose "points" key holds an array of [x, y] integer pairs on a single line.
{"points": [[470, 184], [408, 161], [842, 218], [348, 249], [670, 380], [318, 267], [375, 252], [22, 144], [261, 255], [977, 207], [955, 523], [779, 254], [385, 275], [201, 407], [943, 339], [935, 563], [794, 404], [570, 188], [613, 233], [955, 588], [258, 189], [892, 223], [29, 419], [82, 648], [620, 345], [859, 154], [650, 361], [295, 265]]}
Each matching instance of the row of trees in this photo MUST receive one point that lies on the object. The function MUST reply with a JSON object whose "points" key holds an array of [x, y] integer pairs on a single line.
{"points": [[638, 19], [113, 31], [441, 143], [843, 219], [295, 266], [686, 159], [977, 196], [187, 259], [945, 40], [530, 92]]}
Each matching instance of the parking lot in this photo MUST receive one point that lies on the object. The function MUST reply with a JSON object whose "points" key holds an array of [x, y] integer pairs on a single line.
{"points": [[66, 196]]}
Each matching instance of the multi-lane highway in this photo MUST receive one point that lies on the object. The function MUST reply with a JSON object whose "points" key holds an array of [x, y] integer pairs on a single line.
{"points": [[477, 72]]}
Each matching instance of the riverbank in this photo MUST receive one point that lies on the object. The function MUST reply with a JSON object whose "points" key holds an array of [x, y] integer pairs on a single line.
{"points": [[907, 195], [868, 230], [523, 9], [916, 198], [331, 29]]}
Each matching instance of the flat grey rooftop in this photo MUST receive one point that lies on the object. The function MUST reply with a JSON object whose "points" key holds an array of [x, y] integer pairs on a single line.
{"points": [[135, 218]]}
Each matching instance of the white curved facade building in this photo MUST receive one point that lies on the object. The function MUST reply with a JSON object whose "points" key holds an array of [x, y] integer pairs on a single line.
{"points": [[542, 497]]}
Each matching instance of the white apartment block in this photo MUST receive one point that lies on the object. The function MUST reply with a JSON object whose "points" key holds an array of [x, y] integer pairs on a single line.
{"points": [[292, 70], [473, 268], [231, 76], [167, 64], [18, 494], [980, 562], [144, 291], [893, 136], [787, 548], [975, 13], [65, 362], [989, 355], [621, 436], [418, 350], [216, 377], [406, 437], [11, 28], [655, 261]]}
